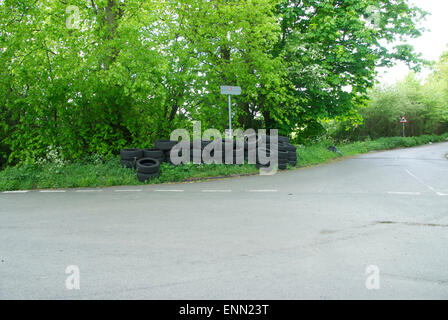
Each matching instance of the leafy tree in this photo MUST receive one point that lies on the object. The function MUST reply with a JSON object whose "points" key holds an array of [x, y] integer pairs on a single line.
{"points": [[217, 43], [332, 49], [82, 89], [424, 104], [95, 76]]}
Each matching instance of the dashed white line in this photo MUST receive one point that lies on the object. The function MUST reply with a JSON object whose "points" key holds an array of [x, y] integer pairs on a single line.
{"points": [[136, 190], [18, 191], [272, 190], [405, 193], [52, 191], [420, 180], [428, 186], [99, 190], [414, 176], [168, 190]]}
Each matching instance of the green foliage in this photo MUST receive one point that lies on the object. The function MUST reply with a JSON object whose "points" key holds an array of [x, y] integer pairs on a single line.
{"points": [[128, 72], [425, 105], [70, 175], [97, 172], [331, 52]]}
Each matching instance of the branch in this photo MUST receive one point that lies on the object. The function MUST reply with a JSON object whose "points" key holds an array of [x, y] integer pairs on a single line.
{"points": [[94, 7]]}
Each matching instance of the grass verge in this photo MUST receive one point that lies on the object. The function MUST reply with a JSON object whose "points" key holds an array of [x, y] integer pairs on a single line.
{"points": [[110, 173]]}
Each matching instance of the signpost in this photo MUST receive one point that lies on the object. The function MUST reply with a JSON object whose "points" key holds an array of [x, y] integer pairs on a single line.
{"points": [[230, 91], [404, 121]]}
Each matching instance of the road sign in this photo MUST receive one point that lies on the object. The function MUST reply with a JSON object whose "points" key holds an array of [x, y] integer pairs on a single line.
{"points": [[230, 90], [404, 121]]}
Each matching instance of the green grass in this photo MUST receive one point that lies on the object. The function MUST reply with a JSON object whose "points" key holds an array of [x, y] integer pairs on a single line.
{"points": [[110, 173]]}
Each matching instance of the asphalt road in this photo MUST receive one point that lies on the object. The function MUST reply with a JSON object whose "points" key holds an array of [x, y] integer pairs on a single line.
{"points": [[306, 234]]}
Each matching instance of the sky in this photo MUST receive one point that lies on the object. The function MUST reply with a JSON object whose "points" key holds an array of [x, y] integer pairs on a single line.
{"points": [[431, 44]]}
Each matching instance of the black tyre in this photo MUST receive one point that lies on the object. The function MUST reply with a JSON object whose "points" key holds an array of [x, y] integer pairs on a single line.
{"points": [[292, 155], [167, 156], [131, 154], [291, 147], [165, 145], [283, 166], [292, 163], [283, 139], [153, 153], [282, 154], [142, 177], [282, 147], [148, 165]]}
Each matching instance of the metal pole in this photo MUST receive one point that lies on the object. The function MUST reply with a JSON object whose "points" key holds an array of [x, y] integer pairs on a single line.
{"points": [[404, 134], [230, 115]]}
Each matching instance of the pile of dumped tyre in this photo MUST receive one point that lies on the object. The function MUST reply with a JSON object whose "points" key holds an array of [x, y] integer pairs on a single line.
{"points": [[147, 161]]}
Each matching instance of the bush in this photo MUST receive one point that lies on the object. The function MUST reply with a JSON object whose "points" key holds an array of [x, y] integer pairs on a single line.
{"points": [[424, 105]]}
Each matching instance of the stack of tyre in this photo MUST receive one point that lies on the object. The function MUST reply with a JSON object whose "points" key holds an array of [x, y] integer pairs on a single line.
{"points": [[198, 148], [232, 151], [287, 153], [292, 154], [129, 157], [146, 162], [164, 146]]}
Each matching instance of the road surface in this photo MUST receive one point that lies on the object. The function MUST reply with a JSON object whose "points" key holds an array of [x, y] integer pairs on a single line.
{"points": [[306, 234]]}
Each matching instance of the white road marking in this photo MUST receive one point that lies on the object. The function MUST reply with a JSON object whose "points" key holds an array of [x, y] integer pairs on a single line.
{"points": [[18, 191], [52, 191], [420, 180], [405, 193], [263, 190], [428, 186], [168, 190], [414, 176], [99, 190], [212, 191], [136, 190]]}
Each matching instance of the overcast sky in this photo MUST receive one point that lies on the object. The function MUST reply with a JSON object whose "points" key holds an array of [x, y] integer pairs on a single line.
{"points": [[431, 44]]}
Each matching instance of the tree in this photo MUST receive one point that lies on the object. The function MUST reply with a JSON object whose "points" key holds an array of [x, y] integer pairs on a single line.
{"points": [[332, 49], [215, 43], [95, 76], [77, 83], [425, 104]]}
